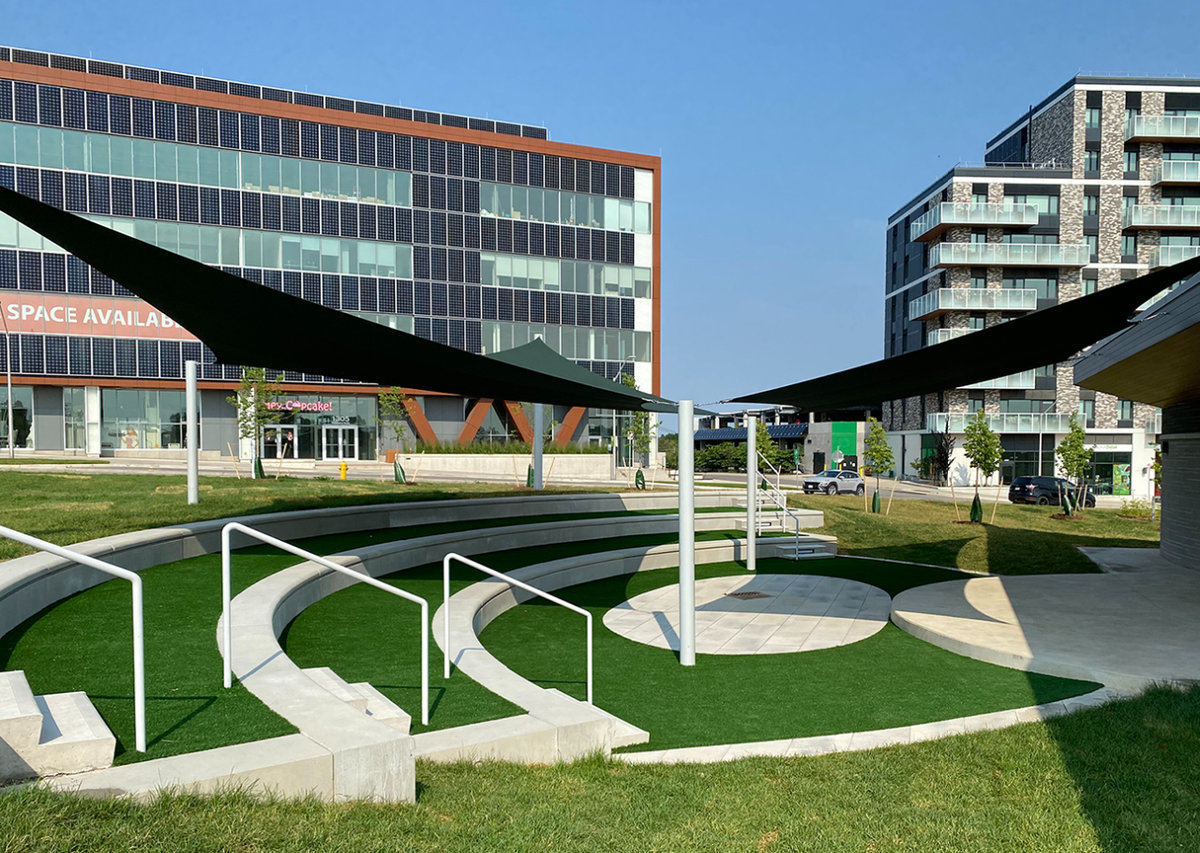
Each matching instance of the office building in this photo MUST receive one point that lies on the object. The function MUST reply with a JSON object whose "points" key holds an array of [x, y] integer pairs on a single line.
{"points": [[475, 233]]}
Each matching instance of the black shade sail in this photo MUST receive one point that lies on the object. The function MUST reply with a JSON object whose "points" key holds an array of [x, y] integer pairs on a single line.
{"points": [[246, 323], [1052, 335]]}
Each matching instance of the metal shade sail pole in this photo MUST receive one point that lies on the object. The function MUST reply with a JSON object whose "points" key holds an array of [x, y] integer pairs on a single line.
{"points": [[538, 437], [751, 493], [193, 436], [687, 537]]}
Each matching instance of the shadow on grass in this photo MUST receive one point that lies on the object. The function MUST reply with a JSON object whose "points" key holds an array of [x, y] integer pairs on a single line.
{"points": [[1013, 551], [1136, 766], [159, 707]]}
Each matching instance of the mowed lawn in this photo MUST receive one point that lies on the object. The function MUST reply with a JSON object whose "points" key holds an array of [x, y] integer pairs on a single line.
{"points": [[1119, 778], [1024, 539]]}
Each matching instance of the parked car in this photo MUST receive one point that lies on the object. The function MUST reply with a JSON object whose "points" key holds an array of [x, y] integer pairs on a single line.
{"points": [[834, 482], [1043, 491]]}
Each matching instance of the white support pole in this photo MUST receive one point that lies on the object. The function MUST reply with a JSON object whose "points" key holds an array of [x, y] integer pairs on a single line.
{"points": [[538, 438], [193, 435], [751, 493], [687, 537], [8, 378]]}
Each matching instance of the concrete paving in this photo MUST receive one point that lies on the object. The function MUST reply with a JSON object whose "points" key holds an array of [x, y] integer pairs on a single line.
{"points": [[757, 614], [1128, 628]]}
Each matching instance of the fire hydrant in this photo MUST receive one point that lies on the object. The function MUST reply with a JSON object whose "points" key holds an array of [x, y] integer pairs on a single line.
{"points": [[342, 470]]}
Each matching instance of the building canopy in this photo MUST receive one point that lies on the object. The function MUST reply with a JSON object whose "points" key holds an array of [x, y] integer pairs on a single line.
{"points": [[245, 323], [1051, 335]]}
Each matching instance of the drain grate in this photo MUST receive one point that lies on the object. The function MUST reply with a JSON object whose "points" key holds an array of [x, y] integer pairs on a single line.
{"points": [[746, 596]]}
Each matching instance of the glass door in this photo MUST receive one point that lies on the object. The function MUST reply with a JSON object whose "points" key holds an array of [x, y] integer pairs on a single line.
{"points": [[339, 442], [279, 441]]}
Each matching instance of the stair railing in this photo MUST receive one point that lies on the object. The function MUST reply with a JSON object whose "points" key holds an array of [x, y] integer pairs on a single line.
{"points": [[139, 651], [514, 582], [775, 494], [328, 564]]}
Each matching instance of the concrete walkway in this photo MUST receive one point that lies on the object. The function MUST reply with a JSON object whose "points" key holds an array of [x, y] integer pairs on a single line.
{"points": [[1128, 628]]}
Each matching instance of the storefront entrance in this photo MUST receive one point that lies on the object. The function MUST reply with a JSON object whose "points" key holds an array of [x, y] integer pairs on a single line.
{"points": [[279, 441], [339, 442]]}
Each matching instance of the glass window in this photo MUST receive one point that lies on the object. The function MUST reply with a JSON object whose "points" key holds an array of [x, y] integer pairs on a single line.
{"points": [[1131, 161], [229, 169], [252, 172], [329, 180], [74, 150], [1129, 245], [1091, 205], [27, 147], [641, 217], [269, 174], [310, 178], [210, 167], [187, 159], [1092, 117], [1087, 410], [1124, 410], [366, 185], [1091, 161], [51, 146], [143, 159], [347, 182], [289, 177]]}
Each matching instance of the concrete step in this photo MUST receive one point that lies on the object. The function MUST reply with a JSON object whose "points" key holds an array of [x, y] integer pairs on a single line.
{"points": [[382, 708], [74, 737], [20, 719], [331, 681]]}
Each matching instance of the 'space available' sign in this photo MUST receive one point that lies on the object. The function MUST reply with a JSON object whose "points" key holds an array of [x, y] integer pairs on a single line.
{"points": [[69, 314]]}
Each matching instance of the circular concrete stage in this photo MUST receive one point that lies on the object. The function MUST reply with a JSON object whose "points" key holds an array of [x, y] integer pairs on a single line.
{"points": [[757, 614], [1124, 630]]}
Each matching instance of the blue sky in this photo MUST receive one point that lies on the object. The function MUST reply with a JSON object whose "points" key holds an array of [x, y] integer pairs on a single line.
{"points": [[789, 132]]}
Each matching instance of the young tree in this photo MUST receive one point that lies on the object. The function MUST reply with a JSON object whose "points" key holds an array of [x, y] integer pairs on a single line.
{"points": [[254, 410], [639, 422], [1074, 458], [392, 413], [877, 454], [982, 447], [764, 444], [943, 454]]}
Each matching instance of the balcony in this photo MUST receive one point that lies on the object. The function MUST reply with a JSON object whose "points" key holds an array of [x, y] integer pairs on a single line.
{"points": [[1026, 380], [1165, 256], [971, 299], [1052, 422], [940, 336], [1162, 128], [1160, 216], [1177, 172], [971, 214], [1008, 254]]}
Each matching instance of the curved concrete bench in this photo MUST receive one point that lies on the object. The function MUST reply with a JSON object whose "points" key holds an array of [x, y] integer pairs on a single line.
{"points": [[262, 611], [32, 583], [471, 610], [340, 753]]}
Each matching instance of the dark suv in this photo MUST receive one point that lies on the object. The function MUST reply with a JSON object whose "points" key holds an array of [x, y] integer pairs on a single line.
{"points": [[1043, 490]]}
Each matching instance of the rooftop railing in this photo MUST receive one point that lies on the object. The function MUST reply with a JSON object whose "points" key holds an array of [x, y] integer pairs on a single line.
{"points": [[1025, 380]]}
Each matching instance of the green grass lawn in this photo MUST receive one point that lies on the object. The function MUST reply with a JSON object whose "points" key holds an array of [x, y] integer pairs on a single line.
{"points": [[1024, 539], [1119, 778], [69, 508]]}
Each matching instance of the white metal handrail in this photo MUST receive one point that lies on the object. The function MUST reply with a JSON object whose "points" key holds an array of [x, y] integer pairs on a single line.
{"points": [[329, 564], [777, 497], [511, 580], [139, 651]]}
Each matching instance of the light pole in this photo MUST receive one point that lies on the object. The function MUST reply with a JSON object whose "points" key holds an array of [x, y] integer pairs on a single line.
{"points": [[8, 376]]}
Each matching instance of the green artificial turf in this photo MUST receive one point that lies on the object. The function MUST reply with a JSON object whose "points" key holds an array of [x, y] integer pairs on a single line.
{"points": [[187, 708], [1119, 778], [889, 679]]}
